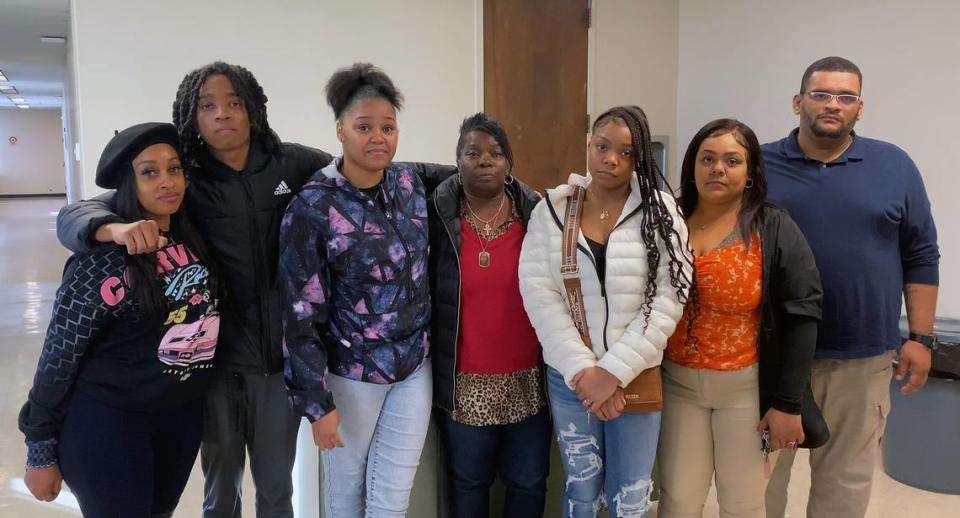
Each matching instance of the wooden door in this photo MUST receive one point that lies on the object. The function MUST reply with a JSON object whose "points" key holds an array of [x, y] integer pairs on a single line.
{"points": [[535, 83]]}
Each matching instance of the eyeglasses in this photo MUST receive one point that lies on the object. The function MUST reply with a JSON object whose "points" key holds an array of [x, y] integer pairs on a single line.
{"points": [[825, 97]]}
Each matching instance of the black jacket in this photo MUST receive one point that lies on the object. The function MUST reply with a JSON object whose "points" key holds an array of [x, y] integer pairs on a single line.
{"points": [[790, 312], [444, 272]]}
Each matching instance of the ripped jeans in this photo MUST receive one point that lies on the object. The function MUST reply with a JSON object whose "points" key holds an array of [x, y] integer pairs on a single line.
{"points": [[605, 462]]}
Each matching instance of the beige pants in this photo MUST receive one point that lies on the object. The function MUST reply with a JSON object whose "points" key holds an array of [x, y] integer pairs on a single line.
{"points": [[854, 396], [709, 426]]}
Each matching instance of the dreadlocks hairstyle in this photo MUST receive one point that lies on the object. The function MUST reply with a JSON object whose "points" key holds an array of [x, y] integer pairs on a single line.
{"points": [[142, 268], [247, 88], [830, 64], [656, 221], [357, 82], [486, 123], [750, 218]]}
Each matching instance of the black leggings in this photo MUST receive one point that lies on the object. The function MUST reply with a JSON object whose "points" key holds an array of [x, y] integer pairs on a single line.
{"points": [[120, 463]]}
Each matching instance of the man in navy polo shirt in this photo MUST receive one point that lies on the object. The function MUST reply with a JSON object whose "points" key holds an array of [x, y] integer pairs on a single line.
{"points": [[863, 208]]}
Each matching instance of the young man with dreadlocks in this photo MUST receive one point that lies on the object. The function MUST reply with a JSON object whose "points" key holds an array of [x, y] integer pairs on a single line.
{"points": [[635, 270]]}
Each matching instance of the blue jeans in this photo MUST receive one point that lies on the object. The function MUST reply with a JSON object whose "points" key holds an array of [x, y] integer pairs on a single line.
{"points": [[518, 452], [605, 461], [383, 428]]}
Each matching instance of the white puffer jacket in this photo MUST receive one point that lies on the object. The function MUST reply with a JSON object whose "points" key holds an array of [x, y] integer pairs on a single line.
{"points": [[613, 308]]}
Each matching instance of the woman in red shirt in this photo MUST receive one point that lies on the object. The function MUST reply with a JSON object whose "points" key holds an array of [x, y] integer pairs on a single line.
{"points": [[486, 356]]}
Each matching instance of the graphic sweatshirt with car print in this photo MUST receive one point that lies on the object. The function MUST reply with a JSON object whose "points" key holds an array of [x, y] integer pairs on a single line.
{"points": [[98, 343]]}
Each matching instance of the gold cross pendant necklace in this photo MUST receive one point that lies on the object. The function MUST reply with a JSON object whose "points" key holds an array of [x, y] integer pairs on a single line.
{"points": [[487, 231]]}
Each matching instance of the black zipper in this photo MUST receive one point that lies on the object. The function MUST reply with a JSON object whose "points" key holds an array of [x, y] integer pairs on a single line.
{"points": [[603, 281], [258, 270], [386, 209], [606, 303], [403, 242]]}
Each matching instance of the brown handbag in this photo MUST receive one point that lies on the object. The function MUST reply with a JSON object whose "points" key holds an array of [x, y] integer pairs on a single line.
{"points": [[645, 392]]}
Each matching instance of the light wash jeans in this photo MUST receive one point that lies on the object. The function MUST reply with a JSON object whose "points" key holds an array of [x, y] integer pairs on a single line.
{"points": [[383, 428], [606, 462]]}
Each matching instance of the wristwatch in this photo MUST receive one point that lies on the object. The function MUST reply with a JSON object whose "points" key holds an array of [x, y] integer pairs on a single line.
{"points": [[930, 341]]}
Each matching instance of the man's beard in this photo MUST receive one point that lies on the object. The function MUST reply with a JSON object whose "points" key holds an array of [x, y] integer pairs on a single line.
{"points": [[821, 132]]}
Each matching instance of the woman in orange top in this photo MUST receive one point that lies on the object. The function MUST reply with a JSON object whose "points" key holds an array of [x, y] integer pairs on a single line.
{"points": [[738, 365]]}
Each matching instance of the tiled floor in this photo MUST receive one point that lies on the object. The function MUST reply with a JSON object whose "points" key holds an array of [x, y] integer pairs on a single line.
{"points": [[31, 261]]}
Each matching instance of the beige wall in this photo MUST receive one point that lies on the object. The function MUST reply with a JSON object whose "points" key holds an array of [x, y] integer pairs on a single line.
{"points": [[633, 60], [744, 58], [128, 64], [35, 164]]}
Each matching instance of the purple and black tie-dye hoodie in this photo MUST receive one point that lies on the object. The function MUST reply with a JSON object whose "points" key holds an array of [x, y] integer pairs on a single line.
{"points": [[353, 281]]}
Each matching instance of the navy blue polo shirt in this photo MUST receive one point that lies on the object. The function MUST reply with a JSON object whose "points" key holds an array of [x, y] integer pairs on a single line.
{"points": [[867, 218]]}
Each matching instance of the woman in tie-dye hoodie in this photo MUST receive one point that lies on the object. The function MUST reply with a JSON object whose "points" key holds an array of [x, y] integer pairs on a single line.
{"points": [[356, 304]]}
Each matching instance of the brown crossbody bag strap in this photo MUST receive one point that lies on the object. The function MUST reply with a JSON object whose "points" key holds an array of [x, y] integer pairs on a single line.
{"points": [[645, 392]]}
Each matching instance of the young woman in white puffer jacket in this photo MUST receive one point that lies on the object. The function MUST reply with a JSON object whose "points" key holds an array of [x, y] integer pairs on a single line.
{"points": [[635, 269]]}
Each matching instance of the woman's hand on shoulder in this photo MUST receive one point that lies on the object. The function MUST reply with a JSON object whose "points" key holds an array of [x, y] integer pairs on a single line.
{"points": [[44, 483], [325, 434], [786, 430]]}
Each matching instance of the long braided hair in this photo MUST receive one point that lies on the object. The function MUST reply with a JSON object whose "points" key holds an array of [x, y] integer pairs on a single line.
{"points": [[656, 221], [246, 87]]}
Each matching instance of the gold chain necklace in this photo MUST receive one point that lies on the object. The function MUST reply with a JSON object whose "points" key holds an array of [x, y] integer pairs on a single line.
{"points": [[484, 257], [701, 228], [487, 228], [604, 213]]}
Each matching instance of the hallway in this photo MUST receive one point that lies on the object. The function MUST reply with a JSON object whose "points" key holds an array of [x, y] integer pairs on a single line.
{"points": [[31, 261]]}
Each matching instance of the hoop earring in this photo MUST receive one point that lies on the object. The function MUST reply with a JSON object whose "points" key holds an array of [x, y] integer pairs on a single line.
{"points": [[749, 184], [509, 180]]}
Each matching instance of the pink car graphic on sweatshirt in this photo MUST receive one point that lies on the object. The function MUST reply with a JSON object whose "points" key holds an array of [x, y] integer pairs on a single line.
{"points": [[184, 344]]}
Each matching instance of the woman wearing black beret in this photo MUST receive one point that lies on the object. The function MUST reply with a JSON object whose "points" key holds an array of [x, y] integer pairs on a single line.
{"points": [[115, 405]]}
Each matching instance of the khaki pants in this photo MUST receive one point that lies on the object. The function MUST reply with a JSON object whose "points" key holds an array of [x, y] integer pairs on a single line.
{"points": [[710, 427], [854, 396]]}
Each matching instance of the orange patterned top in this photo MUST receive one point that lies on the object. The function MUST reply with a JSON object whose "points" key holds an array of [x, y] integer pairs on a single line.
{"points": [[729, 283]]}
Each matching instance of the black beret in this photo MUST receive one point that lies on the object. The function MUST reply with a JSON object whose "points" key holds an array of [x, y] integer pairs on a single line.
{"points": [[118, 156]]}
